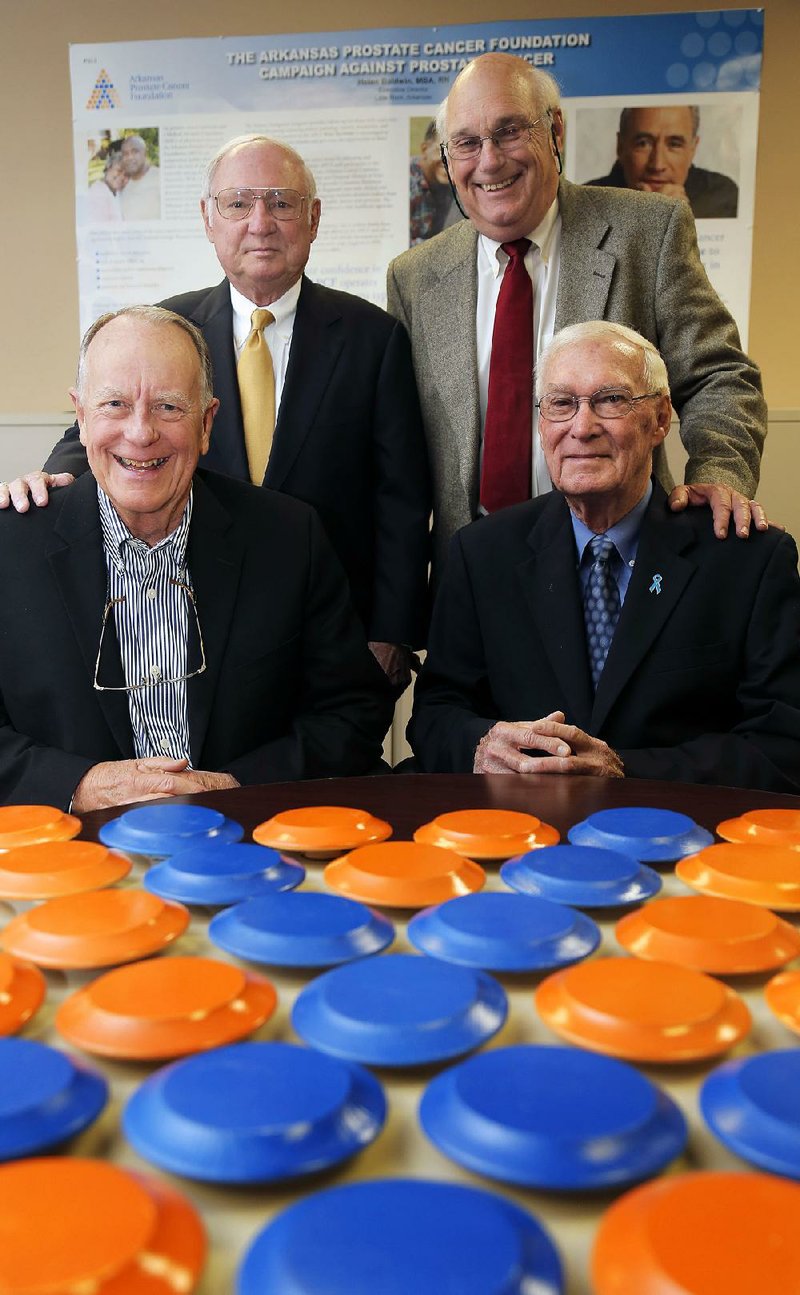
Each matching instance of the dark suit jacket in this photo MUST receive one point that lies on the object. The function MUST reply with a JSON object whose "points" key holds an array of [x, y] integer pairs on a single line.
{"points": [[348, 440], [711, 194], [702, 680], [290, 690]]}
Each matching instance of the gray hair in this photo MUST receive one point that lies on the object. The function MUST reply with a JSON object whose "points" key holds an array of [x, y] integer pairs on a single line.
{"points": [[241, 141], [159, 318], [544, 91], [627, 113], [630, 343], [134, 139]]}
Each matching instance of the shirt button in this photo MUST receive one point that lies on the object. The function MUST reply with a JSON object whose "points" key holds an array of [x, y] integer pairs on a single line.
{"points": [[151, 593], [164, 744]]}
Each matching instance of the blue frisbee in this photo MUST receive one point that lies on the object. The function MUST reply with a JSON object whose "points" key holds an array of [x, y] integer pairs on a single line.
{"points": [[168, 829], [504, 932], [399, 1010], [649, 835], [301, 930], [581, 875], [254, 1112], [393, 1236], [553, 1118], [45, 1097], [222, 873], [753, 1107]]}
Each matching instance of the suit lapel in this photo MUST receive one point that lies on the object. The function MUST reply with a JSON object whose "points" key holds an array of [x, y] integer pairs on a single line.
{"points": [[447, 309], [76, 559], [583, 291], [662, 552], [550, 585], [214, 560], [317, 343], [214, 317]]}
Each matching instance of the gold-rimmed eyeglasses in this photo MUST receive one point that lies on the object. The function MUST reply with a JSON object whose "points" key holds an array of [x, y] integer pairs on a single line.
{"points": [[283, 204]]}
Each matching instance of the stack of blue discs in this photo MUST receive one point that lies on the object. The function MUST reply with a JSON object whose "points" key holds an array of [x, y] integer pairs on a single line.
{"points": [[649, 835], [504, 932], [167, 829], [582, 875], [217, 873], [301, 930], [45, 1097]]}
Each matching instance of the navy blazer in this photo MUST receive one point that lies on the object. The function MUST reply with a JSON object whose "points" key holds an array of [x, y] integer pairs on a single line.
{"points": [[290, 689], [702, 679], [348, 440]]}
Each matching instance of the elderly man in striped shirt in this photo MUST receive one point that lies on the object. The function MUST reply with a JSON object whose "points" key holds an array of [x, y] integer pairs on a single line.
{"points": [[164, 631]]}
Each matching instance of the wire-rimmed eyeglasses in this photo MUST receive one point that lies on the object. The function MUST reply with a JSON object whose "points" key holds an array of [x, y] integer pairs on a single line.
{"points": [[461, 147], [560, 406], [194, 645], [283, 204]]}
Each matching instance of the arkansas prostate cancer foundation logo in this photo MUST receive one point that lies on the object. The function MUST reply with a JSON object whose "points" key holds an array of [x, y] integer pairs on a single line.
{"points": [[104, 95]]}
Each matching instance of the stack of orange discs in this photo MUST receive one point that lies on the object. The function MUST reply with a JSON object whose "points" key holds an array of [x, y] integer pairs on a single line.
{"points": [[403, 874], [487, 833], [642, 1011], [723, 936], [768, 875], [166, 1008], [95, 930], [22, 990], [701, 1234], [321, 831], [33, 824], [71, 1224], [59, 868], [763, 827], [783, 998]]}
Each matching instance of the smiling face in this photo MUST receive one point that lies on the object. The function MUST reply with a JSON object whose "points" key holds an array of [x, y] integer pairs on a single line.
{"points": [[657, 148], [261, 256], [142, 421], [506, 195], [602, 466], [134, 157], [116, 177]]}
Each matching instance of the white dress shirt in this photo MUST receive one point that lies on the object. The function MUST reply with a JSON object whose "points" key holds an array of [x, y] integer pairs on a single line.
{"points": [[542, 263], [278, 336]]}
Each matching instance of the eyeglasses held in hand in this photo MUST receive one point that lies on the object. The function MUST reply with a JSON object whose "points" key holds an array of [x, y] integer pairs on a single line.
{"points": [[560, 406], [283, 204], [195, 651]]}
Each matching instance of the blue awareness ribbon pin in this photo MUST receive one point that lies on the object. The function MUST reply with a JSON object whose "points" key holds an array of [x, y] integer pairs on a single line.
{"points": [[655, 587]]}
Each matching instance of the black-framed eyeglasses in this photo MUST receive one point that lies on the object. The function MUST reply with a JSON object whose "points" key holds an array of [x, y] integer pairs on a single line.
{"points": [[560, 406], [283, 204], [462, 147], [195, 651]]}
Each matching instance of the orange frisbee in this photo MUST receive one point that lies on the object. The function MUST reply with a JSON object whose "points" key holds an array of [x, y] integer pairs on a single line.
{"points": [[487, 833], [165, 1008], [723, 936], [321, 830], [33, 824], [95, 930], [763, 827], [70, 1224], [768, 875], [642, 1011], [783, 998], [701, 1234], [403, 874], [59, 868], [22, 990]]}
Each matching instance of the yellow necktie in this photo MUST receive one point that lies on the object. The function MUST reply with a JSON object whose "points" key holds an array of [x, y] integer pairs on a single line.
{"points": [[257, 392]]}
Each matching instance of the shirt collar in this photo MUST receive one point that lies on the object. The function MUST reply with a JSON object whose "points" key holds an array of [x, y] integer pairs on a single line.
{"points": [[624, 534], [283, 311], [118, 540], [542, 237]]}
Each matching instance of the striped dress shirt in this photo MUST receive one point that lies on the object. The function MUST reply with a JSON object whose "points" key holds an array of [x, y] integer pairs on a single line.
{"points": [[152, 625]]}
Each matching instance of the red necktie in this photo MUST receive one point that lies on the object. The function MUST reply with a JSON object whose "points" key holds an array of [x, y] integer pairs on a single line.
{"points": [[507, 433]]}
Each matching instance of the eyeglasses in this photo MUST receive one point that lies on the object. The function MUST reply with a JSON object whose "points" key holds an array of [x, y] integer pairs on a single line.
{"points": [[283, 204], [194, 646], [560, 406], [504, 138]]}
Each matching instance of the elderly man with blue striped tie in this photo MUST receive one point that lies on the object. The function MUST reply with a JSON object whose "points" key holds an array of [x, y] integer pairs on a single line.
{"points": [[165, 631]]}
